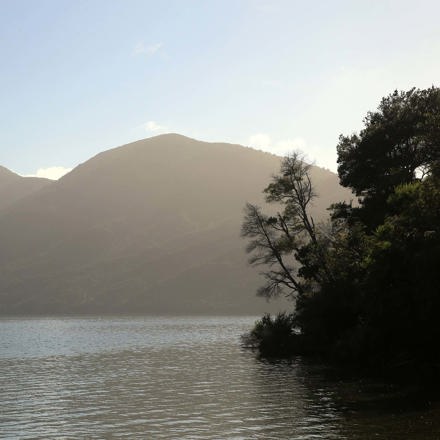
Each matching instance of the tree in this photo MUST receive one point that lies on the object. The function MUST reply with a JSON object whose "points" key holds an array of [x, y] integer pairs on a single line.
{"points": [[393, 166], [314, 265], [402, 280], [282, 242], [399, 144], [366, 287]]}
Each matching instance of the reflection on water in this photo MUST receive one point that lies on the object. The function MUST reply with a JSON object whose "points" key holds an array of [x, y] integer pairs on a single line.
{"points": [[174, 378]]}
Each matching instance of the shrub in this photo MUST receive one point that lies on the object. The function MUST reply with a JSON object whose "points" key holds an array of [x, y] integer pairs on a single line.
{"points": [[274, 336]]}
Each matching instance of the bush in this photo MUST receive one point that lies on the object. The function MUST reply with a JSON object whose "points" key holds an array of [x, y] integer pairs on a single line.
{"points": [[274, 336]]}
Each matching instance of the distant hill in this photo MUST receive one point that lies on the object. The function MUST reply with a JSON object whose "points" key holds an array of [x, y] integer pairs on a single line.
{"points": [[149, 227], [14, 187]]}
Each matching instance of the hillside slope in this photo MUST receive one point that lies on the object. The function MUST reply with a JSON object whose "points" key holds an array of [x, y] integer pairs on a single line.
{"points": [[149, 227], [14, 187]]}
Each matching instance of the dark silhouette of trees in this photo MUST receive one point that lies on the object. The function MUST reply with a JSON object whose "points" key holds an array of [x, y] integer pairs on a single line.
{"points": [[399, 144], [280, 241], [367, 286]]}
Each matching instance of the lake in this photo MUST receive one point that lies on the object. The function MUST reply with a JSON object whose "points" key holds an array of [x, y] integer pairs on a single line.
{"points": [[181, 378]]}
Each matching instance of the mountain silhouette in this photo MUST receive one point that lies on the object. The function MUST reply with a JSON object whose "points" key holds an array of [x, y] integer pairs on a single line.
{"points": [[149, 227]]}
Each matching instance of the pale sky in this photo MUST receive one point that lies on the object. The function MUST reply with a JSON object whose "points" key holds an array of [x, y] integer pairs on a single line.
{"points": [[79, 77]]}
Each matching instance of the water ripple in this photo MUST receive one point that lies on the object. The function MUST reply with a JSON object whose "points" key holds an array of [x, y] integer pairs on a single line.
{"points": [[159, 378]]}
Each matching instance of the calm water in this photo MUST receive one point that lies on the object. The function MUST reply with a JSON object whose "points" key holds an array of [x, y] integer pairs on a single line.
{"points": [[180, 378]]}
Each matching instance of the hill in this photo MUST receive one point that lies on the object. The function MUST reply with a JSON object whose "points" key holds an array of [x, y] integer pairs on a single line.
{"points": [[149, 227], [14, 187]]}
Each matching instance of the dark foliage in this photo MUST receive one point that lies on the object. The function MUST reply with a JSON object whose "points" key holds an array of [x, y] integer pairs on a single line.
{"points": [[370, 281], [277, 242], [399, 144], [274, 336]]}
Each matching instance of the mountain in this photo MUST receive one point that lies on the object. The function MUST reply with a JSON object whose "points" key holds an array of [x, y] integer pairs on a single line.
{"points": [[149, 227], [14, 187]]}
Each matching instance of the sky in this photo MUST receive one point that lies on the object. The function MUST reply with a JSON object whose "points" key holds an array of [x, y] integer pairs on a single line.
{"points": [[79, 77]]}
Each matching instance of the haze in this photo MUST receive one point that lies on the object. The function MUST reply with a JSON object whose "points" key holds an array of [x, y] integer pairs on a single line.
{"points": [[150, 227]]}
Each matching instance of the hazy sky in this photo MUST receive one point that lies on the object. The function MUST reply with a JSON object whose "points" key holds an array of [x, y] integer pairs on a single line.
{"points": [[79, 77]]}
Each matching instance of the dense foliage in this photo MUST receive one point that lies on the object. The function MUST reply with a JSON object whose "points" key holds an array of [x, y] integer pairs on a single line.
{"points": [[367, 285]]}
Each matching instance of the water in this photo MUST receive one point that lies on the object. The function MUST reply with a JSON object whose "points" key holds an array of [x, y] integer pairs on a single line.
{"points": [[179, 378]]}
